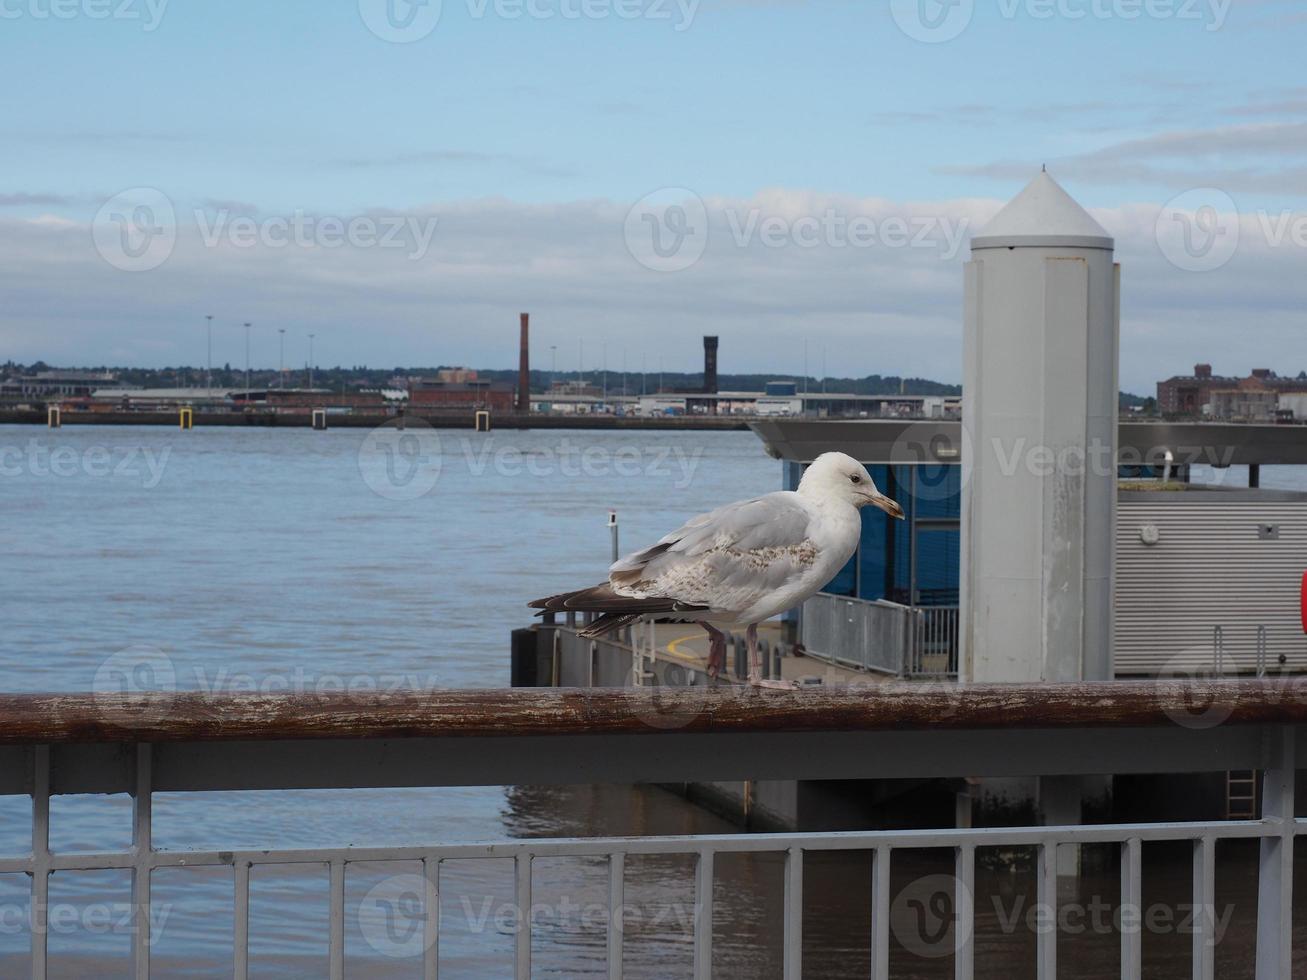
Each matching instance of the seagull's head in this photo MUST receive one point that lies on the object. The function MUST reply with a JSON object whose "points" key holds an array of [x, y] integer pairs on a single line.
{"points": [[843, 477]]}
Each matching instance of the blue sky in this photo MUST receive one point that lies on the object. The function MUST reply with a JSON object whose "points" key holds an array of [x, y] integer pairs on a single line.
{"points": [[521, 139]]}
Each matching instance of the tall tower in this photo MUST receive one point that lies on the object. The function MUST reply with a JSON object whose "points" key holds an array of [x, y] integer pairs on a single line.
{"points": [[1039, 417], [524, 368], [710, 365]]}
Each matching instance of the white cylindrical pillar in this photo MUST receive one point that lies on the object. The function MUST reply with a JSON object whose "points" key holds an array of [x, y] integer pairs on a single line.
{"points": [[1040, 356]]}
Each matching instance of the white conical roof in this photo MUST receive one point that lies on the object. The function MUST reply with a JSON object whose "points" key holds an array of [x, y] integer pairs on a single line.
{"points": [[1043, 216]]}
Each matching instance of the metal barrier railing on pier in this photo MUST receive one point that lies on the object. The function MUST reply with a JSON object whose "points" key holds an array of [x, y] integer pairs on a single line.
{"points": [[880, 636], [184, 743]]}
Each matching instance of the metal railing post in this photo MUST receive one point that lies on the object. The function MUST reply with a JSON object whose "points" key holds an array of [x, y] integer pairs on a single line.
{"points": [[1275, 871], [792, 949], [1046, 890], [1132, 947], [880, 883], [616, 906], [142, 848], [241, 919], [431, 919], [336, 920], [40, 902], [703, 880], [522, 868], [964, 912], [1204, 901]]}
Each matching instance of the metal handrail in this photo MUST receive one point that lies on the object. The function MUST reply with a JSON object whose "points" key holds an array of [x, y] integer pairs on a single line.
{"points": [[53, 719]]}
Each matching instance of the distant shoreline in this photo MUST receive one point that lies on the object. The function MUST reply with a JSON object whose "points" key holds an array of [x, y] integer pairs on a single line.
{"points": [[694, 423]]}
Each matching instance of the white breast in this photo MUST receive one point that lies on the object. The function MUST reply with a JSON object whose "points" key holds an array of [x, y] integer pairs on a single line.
{"points": [[834, 531]]}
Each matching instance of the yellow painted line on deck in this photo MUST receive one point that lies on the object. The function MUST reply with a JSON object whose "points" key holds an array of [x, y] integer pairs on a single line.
{"points": [[673, 648]]}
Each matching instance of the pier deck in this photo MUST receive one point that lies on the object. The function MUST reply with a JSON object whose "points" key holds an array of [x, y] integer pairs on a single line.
{"points": [[687, 645]]}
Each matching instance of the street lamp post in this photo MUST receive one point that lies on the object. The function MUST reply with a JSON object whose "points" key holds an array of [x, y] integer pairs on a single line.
{"points": [[208, 364], [281, 357], [311, 336]]}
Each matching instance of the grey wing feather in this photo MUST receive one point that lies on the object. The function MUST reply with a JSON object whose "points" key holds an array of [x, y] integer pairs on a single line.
{"points": [[725, 559]]}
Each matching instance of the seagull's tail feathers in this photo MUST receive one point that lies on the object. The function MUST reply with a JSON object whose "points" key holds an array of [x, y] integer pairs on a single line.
{"points": [[616, 610], [608, 623]]}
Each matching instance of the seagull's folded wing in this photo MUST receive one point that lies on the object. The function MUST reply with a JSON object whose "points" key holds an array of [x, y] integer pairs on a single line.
{"points": [[727, 559]]}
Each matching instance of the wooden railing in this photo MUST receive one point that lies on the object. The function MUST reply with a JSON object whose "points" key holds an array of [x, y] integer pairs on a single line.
{"points": [[51, 719]]}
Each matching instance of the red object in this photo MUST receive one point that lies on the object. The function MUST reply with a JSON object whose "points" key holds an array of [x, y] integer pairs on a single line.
{"points": [[1303, 602]]}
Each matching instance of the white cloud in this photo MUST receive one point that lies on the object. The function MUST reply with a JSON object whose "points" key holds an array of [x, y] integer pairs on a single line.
{"points": [[873, 307], [1264, 158]]}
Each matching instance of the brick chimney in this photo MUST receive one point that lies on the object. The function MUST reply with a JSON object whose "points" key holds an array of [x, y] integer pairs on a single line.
{"points": [[524, 369], [1202, 370]]}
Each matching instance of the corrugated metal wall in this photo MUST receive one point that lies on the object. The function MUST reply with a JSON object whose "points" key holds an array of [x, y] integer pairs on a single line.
{"points": [[1208, 568]]}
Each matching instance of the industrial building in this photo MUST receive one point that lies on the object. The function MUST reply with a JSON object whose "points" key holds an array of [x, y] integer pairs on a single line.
{"points": [[42, 386], [467, 392], [1260, 397], [784, 400], [280, 401]]}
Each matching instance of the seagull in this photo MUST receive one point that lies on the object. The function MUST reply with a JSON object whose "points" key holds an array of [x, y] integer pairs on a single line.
{"points": [[740, 564]]}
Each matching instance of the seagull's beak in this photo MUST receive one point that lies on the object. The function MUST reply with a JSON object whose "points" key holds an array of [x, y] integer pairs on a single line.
{"points": [[889, 506]]}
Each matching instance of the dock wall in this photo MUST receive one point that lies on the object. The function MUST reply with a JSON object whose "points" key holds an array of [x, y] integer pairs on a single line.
{"points": [[460, 420]]}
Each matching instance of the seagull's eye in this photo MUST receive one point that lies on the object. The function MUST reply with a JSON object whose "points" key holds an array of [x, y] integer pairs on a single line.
{"points": [[855, 479]]}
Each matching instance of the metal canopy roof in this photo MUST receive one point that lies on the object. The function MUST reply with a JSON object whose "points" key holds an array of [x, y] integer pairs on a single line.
{"points": [[940, 441]]}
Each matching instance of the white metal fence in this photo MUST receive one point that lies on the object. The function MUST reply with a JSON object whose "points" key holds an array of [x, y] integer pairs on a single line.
{"points": [[934, 642], [858, 633], [880, 636], [1132, 730]]}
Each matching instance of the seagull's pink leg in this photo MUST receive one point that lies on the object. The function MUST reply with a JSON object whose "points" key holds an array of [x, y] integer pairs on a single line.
{"points": [[716, 649], [755, 665]]}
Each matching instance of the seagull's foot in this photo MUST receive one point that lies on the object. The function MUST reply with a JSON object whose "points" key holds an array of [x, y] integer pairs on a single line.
{"points": [[774, 685], [716, 652]]}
